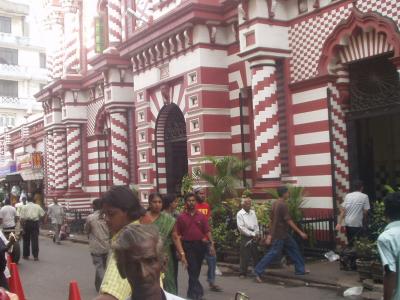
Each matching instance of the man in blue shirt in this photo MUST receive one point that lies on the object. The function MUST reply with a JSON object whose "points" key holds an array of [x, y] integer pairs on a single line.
{"points": [[389, 248]]}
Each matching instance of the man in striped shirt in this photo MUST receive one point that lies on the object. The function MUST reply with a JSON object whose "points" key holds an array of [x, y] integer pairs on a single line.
{"points": [[354, 210]]}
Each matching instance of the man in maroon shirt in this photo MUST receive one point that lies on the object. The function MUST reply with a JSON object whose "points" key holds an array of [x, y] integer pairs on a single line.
{"points": [[203, 207], [192, 227]]}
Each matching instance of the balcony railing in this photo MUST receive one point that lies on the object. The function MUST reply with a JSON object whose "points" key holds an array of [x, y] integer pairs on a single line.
{"points": [[23, 72], [20, 41], [19, 103]]}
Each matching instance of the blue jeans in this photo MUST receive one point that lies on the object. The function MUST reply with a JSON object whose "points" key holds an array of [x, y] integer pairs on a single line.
{"points": [[212, 265], [290, 247]]}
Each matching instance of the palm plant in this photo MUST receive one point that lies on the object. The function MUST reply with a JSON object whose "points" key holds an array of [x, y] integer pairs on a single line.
{"points": [[295, 202], [226, 179]]}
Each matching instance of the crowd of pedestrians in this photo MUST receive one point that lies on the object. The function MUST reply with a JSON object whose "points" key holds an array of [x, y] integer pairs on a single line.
{"points": [[146, 245], [136, 251]]}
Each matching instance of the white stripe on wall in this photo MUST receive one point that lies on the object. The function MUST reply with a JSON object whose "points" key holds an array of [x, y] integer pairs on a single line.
{"points": [[308, 96], [310, 117], [318, 202], [314, 181], [311, 138], [313, 159]]}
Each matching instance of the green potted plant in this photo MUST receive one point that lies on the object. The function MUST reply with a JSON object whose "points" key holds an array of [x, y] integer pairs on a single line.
{"points": [[366, 252], [226, 178], [376, 227]]}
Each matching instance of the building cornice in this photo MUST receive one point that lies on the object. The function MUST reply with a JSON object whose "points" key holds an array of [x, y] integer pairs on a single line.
{"points": [[188, 14]]}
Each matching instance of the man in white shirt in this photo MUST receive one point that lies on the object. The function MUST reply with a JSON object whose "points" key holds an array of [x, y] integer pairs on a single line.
{"points": [[8, 216], [56, 214], [31, 214], [354, 210], [248, 227]]}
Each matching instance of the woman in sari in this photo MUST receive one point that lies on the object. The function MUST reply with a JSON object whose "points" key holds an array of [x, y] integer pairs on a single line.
{"points": [[166, 227]]}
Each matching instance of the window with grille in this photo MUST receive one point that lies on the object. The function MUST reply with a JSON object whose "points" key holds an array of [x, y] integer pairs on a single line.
{"points": [[8, 56], [42, 59], [9, 88], [100, 41], [5, 24]]}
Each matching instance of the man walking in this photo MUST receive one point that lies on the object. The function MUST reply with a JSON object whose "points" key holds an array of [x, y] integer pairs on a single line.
{"points": [[56, 214], [280, 238], [203, 207], [99, 241], [193, 228], [354, 210], [247, 224], [389, 248], [30, 216]]}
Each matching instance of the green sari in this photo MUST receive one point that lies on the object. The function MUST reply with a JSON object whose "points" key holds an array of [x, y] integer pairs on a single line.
{"points": [[165, 224]]}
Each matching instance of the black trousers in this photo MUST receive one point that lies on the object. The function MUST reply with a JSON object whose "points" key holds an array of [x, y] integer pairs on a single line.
{"points": [[195, 252], [248, 251], [353, 233], [31, 238], [4, 281]]}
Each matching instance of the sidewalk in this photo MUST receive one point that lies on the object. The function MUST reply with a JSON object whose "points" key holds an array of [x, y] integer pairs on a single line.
{"points": [[323, 274]]}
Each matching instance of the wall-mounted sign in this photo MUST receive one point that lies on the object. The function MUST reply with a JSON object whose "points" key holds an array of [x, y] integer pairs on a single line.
{"points": [[24, 162]]}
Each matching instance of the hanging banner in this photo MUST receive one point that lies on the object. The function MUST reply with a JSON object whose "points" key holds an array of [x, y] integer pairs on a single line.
{"points": [[37, 160], [7, 168]]}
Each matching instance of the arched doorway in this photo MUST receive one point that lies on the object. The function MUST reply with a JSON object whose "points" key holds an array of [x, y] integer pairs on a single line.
{"points": [[359, 54], [171, 150], [373, 123]]}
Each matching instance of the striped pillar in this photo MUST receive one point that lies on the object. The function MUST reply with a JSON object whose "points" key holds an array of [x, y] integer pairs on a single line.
{"points": [[56, 50], [60, 159], [114, 22], [71, 39], [74, 153], [265, 120], [50, 160], [119, 147]]}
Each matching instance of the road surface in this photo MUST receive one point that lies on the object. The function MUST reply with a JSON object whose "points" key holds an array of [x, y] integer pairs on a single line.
{"points": [[48, 279]]}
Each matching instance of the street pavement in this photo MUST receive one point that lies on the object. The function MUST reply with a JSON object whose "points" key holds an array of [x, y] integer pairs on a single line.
{"points": [[48, 279]]}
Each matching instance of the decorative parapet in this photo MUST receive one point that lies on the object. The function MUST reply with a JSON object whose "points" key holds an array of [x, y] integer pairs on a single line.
{"points": [[160, 51]]}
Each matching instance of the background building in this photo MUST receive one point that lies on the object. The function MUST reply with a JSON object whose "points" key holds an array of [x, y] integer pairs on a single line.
{"points": [[23, 73], [142, 90], [22, 65]]}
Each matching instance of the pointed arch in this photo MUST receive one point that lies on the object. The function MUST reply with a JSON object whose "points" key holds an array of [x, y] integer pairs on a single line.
{"points": [[362, 35], [161, 143]]}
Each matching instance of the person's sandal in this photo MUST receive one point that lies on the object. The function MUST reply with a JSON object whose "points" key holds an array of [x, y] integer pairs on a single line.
{"points": [[258, 279], [215, 288]]}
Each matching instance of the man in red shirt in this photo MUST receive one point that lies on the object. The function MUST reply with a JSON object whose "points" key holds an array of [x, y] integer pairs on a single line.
{"points": [[203, 207], [192, 227]]}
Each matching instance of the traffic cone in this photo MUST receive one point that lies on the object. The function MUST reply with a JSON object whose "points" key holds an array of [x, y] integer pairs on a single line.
{"points": [[15, 282], [74, 293]]}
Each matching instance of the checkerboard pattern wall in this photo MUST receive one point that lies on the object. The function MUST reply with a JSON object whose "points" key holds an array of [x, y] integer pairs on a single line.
{"points": [[307, 37]]}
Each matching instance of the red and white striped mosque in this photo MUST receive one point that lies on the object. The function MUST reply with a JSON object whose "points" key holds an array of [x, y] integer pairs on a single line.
{"points": [[141, 91]]}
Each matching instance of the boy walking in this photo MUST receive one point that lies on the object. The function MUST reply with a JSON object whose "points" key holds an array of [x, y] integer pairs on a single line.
{"points": [[280, 238]]}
